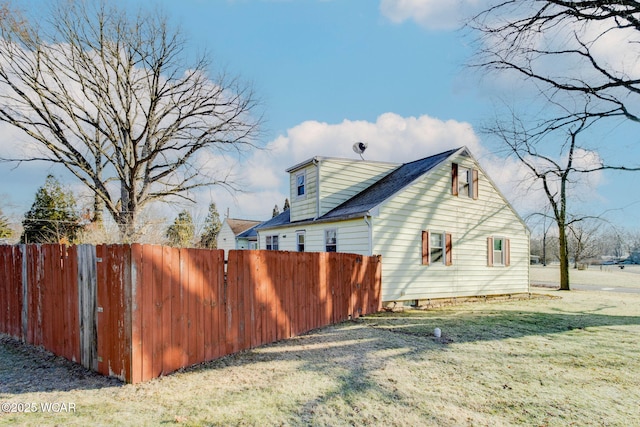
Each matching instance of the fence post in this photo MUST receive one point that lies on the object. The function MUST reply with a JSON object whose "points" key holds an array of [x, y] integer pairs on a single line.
{"points": [[87, 306], [25, 293]]}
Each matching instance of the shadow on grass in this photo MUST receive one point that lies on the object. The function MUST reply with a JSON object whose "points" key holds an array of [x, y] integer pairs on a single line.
{"points": [[352, 355], [487, 325], [28, 369], [355, 354]]}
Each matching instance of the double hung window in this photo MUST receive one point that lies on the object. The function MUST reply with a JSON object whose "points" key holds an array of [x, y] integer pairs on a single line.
{"points": [[272, 243], [436, 248], [498, 251], [331, 240]]}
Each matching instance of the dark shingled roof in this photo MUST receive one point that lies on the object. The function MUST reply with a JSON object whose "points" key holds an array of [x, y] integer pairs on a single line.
{"points": [[282, 219], [248, 234], [372, 196], [369, 198]]}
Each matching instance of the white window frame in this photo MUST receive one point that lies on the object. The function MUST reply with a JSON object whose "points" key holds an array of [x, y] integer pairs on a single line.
{"points": [[269, 242], [500, 259], [465, 181], [302, 175], [300, 234], [429, 249], [433, 249], [327, 243]]}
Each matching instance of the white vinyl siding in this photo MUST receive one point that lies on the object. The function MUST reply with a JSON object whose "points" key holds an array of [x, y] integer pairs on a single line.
{"points": [[352, 237], [342, 179], [304, 206], [429, 205], [226, 239]]}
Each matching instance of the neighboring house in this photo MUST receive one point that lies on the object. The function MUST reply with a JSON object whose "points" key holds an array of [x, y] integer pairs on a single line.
{"points": [[441, 225], [238, 234]]}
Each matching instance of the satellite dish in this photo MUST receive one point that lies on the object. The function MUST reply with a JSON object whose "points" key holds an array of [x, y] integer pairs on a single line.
{"points": [[359, 148]]}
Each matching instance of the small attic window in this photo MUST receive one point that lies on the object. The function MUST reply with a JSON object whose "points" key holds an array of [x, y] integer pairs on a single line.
{"points": [[301, 180], [464, 181]]}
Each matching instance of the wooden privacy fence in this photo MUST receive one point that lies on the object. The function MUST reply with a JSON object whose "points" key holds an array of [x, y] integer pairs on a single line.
{"points": [[140, 311]]}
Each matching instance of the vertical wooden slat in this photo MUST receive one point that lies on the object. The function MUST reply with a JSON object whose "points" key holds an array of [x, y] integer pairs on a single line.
{"points": [[253, 269], [155, 263], [87, 281], [200, 286], [172, 269], [102, 305], [193, 307], [137, 301], [50, 298], [270, 323], [209, 258], [185, 263], [75, 303], [218, 306], [231, 300], [165, 333], [145, 311]]}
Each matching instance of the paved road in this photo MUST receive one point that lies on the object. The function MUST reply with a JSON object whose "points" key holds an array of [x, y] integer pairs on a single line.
{"points": [[589, 288]]}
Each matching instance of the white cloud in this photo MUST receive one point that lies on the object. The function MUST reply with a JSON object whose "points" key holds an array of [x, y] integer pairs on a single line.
{"points": [[431, 14], [391, 138]]}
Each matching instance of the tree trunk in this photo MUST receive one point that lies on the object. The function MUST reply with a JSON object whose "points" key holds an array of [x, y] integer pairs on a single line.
{"points": [[564, 259]]}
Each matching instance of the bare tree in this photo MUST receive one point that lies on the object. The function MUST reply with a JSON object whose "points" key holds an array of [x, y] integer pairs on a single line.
{"points": [[121, 103], [584, 240], [557, 174], [565, 49]]}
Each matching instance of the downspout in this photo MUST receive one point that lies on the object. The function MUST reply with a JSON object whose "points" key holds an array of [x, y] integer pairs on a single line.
{"points": [[366, 220], [316, 163]]}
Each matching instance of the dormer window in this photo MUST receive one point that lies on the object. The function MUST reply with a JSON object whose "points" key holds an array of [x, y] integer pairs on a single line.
{"points": [[301, 180]]}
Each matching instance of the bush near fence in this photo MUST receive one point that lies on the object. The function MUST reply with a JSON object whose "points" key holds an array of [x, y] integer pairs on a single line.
{"points": [[140, 311]]}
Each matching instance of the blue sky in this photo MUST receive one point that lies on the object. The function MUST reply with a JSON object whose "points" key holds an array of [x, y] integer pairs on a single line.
{"points": [[333, 72]]}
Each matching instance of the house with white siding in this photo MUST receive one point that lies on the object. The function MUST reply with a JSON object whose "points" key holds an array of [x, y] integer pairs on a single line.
{"points": [[441, 225], [237, 234]]}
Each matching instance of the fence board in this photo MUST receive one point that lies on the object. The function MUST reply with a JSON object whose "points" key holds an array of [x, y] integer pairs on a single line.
{"points": [[175, 360]]}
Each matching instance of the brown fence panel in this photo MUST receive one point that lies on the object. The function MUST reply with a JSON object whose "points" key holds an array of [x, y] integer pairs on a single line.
{"points": [[158, 309], [11, 290], [114, 295]]}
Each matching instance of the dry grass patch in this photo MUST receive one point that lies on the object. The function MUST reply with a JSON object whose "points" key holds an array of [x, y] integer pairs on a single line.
{"points": [[569, 361], [597, 275]]}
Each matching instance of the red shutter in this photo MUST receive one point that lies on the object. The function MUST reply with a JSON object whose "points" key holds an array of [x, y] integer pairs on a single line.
{"points": [[507, 252], [475, 184], [454, 179], [448, 254], [425, 248], [490, 251]]}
